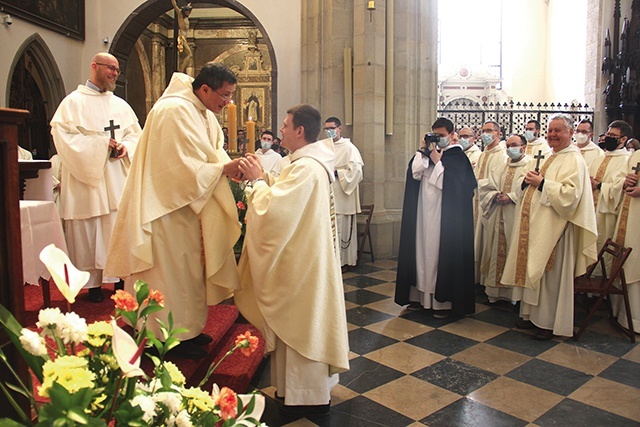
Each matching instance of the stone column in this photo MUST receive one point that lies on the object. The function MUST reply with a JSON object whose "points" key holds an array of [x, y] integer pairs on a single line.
{"points": [[158, 78], [328, 26]]}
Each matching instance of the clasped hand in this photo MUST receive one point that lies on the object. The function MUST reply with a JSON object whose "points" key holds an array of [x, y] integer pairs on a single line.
{"points": [[120, 148], [533, 178], [250, 167]]}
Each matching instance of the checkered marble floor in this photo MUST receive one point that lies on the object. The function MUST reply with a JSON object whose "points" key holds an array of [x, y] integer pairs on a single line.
{"points": [[410, 369]]}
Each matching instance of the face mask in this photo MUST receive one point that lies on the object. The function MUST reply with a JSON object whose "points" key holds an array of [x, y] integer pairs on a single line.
{"points": [[529, 135], [581, 138], [443, 142], [331, 133], [265, 145], [631, 150], [609, 144], [487, 139], [514, 153], [464, 143]]}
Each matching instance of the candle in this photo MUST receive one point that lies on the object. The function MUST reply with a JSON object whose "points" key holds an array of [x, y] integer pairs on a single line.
{"points": [[251, 136], [232, 124]]}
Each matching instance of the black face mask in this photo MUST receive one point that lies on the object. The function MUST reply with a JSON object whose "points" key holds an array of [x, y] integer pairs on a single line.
{"points": [[609, 144]]}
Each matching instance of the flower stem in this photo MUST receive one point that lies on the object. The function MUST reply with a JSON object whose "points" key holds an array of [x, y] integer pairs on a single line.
{"points": [[115, 397], [213, 367]]}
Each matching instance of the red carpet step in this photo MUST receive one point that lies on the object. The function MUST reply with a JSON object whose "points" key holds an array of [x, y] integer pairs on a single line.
{"points": [[235, 372]]}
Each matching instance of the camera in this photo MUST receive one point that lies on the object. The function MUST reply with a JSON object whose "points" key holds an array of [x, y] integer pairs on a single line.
{"points": [[431, 138]]}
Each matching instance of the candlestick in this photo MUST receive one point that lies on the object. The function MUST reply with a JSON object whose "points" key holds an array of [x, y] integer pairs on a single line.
{"points": [[232, 125], [251, 136]]}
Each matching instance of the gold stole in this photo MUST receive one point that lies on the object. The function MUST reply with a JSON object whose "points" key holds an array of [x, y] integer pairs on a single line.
{"points": [[332, 212], [523, 238], [599, 175], [502, 238], [484, 159]]}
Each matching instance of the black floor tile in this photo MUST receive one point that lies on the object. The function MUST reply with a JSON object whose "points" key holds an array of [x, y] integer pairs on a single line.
{"points": [[455, 376], [496, 316], [363, 412], [521, 343], [365, 374], [549, 376], [425, 317], [572, 413], [362, 281], [613, 345], [442, 342], [467, 413], [363, 316], [363, 297], [363, 341], [623, 371]]}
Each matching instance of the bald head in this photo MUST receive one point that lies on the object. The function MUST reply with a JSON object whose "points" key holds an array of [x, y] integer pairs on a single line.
{"points": [[104, 71]]}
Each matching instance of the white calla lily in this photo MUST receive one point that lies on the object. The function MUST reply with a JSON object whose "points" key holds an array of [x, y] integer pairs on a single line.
{"points": [[55, 260], [126, 352]]}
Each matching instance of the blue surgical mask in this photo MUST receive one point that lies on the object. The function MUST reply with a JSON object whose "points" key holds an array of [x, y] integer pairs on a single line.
{"points": [[529, 135], [514, 153], [487, 139], [331, 133], [464, 143], [265, 145], [443, 142]]}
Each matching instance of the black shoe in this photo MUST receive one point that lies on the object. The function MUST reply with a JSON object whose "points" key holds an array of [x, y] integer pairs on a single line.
{"points": [[95, 294], [118, 286], [300, 411], [441, 314], [525, 324], [414, 306], [188, 350], [201, 340]]}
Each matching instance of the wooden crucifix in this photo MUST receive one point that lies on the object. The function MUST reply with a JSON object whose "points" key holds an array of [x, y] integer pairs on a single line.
{"points": [[538, 157], [112, 133], [636, 168]]}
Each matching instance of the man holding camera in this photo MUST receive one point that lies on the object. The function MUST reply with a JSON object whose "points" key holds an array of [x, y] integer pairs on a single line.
{"points": [[436, 262]]}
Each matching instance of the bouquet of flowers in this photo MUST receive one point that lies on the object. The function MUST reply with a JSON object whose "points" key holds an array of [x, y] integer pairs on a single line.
{"points": [[90, 375], [237, 188]]}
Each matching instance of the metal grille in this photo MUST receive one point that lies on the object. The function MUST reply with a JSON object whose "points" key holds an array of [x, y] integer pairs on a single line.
{"points": [[512, 116]]}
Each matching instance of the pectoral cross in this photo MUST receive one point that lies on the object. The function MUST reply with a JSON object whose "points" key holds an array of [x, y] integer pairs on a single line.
{"points": [[538, 157], [636, 168], [112, 131]]}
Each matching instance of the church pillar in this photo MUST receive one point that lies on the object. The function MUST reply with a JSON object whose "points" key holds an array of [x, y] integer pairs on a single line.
{"points": [[329, 26], [158, 79]]}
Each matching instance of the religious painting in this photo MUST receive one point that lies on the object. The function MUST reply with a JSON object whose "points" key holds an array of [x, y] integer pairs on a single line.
{"points": [[63, 16], [252, 105]]}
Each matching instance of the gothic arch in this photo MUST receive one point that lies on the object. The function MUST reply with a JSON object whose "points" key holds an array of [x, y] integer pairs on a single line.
{"points": [[131, 29], [49, 77]]}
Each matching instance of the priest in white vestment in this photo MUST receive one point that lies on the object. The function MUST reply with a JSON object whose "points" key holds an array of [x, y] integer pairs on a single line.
{"points": [[607, 178], [95, 134], [467, 140], [346, 190], [554, 234], [584, 139], [290, 271], [178, 221], [627, 233], [268, 158], [494, 154], [498, 202], [535, 143]]}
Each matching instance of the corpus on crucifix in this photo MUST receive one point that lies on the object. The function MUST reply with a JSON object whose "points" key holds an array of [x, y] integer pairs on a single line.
{"points": [[115, 152], [538, 157]]}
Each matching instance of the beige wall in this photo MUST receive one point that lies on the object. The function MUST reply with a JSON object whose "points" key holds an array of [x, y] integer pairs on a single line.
{"points": [[104, 18]]}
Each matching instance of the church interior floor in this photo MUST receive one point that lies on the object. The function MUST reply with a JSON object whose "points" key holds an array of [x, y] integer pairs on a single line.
{"points": [[410, 369]]}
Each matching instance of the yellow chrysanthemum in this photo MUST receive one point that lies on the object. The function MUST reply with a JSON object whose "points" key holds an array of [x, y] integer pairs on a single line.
{"points": [[176, 376], [198, 399], [69, 371], [98, 333]]}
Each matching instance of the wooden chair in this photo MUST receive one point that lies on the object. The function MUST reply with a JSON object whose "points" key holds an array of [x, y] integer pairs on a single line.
{"points": [[604, 286], [366, 212]]}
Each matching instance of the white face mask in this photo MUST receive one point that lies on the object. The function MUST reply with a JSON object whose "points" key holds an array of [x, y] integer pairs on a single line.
{"points": [[529, 135], [487, 139], [443, 142], [265, 145], [514, 153], [464, 143], [581, 138], [331, 133]]}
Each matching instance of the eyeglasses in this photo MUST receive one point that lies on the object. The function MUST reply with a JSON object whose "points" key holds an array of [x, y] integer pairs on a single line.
{"points": [[330, 128], [584, 132], [224, 97], [610, 135], [111, 68]]}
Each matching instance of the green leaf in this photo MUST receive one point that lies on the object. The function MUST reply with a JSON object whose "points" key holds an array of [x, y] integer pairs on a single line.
{"points": [[131, 316], [14, 404], [6, 422], [142, 291], [77, 416], [13, 328], [150, 309]]}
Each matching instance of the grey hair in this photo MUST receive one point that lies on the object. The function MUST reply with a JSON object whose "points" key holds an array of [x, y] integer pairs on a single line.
{"points": [[566, 118]]}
